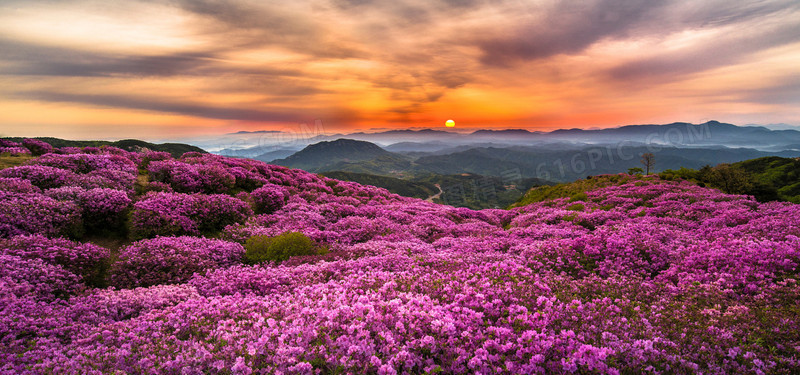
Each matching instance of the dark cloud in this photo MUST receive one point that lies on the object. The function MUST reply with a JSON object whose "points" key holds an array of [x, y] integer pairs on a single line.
{"points": [[450, 78], [30, 59], [569, 27], [158, 105], [249, 24], [722, 52]]}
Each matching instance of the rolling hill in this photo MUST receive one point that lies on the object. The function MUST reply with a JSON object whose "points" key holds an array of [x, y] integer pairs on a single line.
{"points": [[328, 155]]}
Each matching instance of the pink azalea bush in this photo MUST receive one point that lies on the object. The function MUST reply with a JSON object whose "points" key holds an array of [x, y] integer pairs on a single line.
{"points": [[191, 175], [14, 151], [36, 146], [85, 163], [637, 275], [101, 170], [102, 208], [169, 260], [269, 198], [33, 213], [25, 277], [9, 143], [44, 177], [17, 185], [83, 259], [177, 214]]}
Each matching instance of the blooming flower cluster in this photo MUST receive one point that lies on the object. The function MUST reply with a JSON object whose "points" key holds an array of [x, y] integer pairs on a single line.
{"points": [[44, 177], [101, 207], [639, 275], [269, 197], [17, 185], [85, 163], [169, 260], [114, 168], [177, 214], [14, 151], [32, 213], [82, 259], [36, 146], [9, 143], [196, 173]]}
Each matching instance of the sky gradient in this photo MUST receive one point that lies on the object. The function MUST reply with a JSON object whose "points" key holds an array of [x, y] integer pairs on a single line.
{"points": [[171, 68]]}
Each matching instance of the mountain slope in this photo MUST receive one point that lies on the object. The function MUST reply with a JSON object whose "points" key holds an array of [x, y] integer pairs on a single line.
{"points": [[321, 156], [395, 185]]}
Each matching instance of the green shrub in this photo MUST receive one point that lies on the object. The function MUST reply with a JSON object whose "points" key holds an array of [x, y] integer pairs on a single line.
{"points": [[576, 207], [579, 197], [261, 249]]}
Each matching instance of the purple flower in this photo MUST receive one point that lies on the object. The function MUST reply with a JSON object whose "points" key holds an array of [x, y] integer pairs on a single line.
{"points": [[83, 259], [176, 214], [269, 198], [36, 146], [169, 260], [44, 177], [31, 213]]}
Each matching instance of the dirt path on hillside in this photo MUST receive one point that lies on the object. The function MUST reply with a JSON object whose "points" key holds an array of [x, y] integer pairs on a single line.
{"points": [[437, 195]]}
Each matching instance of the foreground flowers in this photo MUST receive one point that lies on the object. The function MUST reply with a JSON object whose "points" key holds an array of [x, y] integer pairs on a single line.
{"points": [[642, 276]]}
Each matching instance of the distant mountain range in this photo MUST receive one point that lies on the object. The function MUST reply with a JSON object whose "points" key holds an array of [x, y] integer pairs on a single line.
{"points": [[678, 134], [510, 161], [559, 163], [675, 134]]}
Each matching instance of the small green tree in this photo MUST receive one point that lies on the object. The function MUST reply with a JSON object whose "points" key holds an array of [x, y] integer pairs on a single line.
{"points": [[261, 249], [635, 170], [731, 180]]}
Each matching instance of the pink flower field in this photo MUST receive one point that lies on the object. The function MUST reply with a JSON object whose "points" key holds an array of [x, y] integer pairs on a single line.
{"points": [[638, 275]]}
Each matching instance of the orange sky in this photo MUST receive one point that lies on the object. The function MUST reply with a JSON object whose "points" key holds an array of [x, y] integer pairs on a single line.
{"points": [[171, 68]]}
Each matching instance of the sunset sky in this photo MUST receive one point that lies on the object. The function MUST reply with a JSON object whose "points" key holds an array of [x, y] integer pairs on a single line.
{"points": [[171, 68]]}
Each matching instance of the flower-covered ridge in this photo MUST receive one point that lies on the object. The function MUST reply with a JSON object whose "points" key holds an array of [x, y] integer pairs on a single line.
{"points": [[638, 275]]}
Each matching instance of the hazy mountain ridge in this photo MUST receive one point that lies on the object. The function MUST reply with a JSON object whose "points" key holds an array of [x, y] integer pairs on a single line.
{"points": [[559, 164], [681, 134]]}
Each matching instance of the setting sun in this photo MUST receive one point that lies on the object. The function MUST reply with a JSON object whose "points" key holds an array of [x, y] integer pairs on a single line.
{"points": [[450, 124]]}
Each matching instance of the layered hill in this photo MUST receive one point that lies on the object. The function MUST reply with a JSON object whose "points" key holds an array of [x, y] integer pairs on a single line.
{"points": [[561, 163], [331, 155]]}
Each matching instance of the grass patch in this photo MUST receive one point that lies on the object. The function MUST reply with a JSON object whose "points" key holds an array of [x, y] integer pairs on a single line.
{"points": [[13, 161]]}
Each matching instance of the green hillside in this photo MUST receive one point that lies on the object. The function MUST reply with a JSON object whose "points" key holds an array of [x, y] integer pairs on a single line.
{"points": [[462, 190], [477, 191], [395, 185], [767, 179], [574, 190]]}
